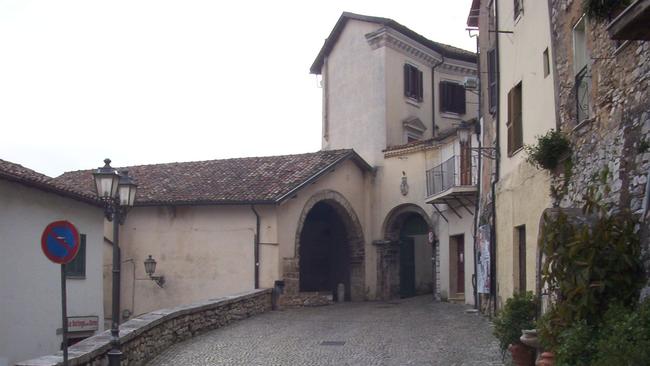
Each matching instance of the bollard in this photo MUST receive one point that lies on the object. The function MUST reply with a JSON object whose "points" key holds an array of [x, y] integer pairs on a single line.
{"points": [[340, 292], [278, 289]]}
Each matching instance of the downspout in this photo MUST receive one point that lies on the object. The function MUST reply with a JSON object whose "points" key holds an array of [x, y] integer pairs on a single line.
{"points": [[256, 248], [478, 172], [493, 249], [433, 94]]}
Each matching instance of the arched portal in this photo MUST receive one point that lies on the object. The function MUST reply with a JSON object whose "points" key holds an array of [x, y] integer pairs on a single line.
{"points": [[330, 248], [405, 257], [324, 252]]}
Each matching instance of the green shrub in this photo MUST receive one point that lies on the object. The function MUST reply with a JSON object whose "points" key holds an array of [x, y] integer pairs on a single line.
{"points": [[577, 345], [517, 314], [624, 338], [588, 267], [548, 150]]}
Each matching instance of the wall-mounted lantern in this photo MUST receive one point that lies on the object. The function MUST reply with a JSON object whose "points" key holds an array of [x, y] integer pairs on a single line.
{"points": [[150, 268]]}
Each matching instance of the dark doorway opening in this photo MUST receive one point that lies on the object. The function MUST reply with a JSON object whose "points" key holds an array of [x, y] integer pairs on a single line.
{"points": [[413, 225], [324, 252]]}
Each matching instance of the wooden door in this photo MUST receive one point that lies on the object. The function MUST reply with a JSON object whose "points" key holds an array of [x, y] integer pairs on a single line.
{"points": [[407, 267], [460, 264], [465, 164]]}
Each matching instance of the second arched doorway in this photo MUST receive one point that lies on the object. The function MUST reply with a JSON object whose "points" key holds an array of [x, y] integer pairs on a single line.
{"points": [[406, 256]]}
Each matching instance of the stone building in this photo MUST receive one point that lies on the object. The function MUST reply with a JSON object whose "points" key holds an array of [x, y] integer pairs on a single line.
{"points": [[30, 285], [385, 209], [602, 91]]}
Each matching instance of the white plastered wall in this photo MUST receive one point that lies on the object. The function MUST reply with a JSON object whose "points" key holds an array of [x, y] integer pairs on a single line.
{"points": [[30, 304]]}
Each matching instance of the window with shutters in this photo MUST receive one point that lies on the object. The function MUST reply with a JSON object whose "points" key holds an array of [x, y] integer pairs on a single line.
{"points": [[77, 267], [413, 82], [581, 58], [452, 97], [514, 124], [492, 80]]}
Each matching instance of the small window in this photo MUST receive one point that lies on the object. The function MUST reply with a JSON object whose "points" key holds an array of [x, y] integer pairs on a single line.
{"points": [[492, 80], [546, 61], [519, 7], [452, 97], [514, 124], [413, 82], [581, 70], [77, 267]]}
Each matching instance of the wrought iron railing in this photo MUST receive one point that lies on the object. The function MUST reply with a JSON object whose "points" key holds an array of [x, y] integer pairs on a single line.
{"points": [[452, 173], [583, 94]]}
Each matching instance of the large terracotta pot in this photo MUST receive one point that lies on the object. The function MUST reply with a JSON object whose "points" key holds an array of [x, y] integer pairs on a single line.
{"points": [[522, 355], [546, 359]]}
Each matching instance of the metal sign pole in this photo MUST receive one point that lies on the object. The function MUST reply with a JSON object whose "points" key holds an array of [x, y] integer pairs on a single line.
{"points": [[64, 317]]}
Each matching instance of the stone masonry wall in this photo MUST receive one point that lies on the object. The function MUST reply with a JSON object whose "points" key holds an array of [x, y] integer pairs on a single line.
{"points": [[611, 149], [146, 336]]}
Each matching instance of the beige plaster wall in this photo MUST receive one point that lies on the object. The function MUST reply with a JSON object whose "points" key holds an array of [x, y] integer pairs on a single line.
{"points": [[522, 191], [354, 88], [456, 226], [522, 196], [203, 251], [30, 285], [520, 60], [348, 180]]}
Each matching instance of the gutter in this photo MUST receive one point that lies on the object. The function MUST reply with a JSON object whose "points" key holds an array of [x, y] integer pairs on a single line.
{"points": [[433, 94], [493, 242], [256, 247]]}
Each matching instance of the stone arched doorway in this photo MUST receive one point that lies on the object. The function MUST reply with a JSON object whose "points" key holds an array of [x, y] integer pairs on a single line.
{"points": [[405, 265], [329, 248]]}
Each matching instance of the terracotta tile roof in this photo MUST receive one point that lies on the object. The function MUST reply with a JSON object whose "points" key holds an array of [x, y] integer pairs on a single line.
{"points": [[444, 49], [268, 179], [18, 173]]}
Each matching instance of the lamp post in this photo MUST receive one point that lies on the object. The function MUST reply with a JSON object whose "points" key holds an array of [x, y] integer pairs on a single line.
{"points": [[117, 192]]}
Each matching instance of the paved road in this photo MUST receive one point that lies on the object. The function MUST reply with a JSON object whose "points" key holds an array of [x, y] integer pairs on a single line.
{"points": [[414, 331]]}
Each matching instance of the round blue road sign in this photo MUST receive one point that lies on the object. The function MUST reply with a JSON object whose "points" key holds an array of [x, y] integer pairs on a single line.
{"points": [[60, 242]]}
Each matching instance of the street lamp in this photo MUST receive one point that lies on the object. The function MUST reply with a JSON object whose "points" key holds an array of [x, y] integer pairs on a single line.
{"points": [[117, 191], [150, 268]]}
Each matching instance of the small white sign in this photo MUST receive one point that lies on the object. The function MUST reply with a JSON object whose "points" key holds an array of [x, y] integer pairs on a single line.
{"points": [[83, 323]]}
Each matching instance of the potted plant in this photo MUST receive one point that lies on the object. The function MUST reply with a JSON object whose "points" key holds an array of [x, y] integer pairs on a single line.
{"points": [[517, 314]]}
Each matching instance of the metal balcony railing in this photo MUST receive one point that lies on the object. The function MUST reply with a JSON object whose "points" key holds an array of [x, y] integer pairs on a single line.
{"points": [[452, 173], [583, 94]]}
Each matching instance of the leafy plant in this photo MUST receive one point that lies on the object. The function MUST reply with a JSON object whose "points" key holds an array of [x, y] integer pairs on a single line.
{"points": [[588, 265], [603, 9], [548, 150], [517, 314], [624, 337]]}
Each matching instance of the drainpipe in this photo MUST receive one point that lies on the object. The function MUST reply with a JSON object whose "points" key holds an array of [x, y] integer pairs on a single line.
{"points": [[493, 249], [478, 172], [433, 94], [256, 248]]}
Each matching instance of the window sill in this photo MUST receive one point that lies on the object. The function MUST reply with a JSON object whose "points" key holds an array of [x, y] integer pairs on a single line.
{"points": [[70, 277], [413, 102], [450, 115]]}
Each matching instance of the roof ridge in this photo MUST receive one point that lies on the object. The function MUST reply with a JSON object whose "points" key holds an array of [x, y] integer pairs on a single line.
{"points": [[209, 160]]}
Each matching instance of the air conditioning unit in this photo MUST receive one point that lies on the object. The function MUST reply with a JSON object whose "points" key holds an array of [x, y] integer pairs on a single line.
{"points": [[471, 83]]}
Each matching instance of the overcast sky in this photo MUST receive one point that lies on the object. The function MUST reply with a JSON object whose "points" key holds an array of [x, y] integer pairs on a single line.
{"points": [[160, 81]]}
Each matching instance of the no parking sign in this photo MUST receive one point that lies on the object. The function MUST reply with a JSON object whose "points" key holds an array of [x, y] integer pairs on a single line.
{"points": [[60, 242]]}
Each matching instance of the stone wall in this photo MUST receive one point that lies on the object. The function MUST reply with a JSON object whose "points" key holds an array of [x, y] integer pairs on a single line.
{"points": [[611, 149], [144, 337]]}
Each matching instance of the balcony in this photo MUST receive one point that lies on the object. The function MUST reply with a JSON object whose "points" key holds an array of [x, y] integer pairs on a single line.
{"points": [[453, 183], [632, 23]]}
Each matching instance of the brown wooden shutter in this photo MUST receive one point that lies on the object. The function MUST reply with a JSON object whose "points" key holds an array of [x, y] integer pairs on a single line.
{"points": [[406, 80], [443, 96], [459, 99], [420, 86], [519, 136], [509, 122]]}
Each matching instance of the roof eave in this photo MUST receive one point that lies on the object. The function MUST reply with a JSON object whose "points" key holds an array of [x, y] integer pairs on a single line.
{"points": [[46, 187], [356, 158]]}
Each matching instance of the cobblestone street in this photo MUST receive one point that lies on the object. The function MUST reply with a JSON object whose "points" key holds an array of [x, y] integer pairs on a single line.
{"points": [[414, 331]]}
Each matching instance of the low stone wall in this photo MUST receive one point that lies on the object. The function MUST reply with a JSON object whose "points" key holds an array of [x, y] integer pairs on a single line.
{"points": [[146, 336]]}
